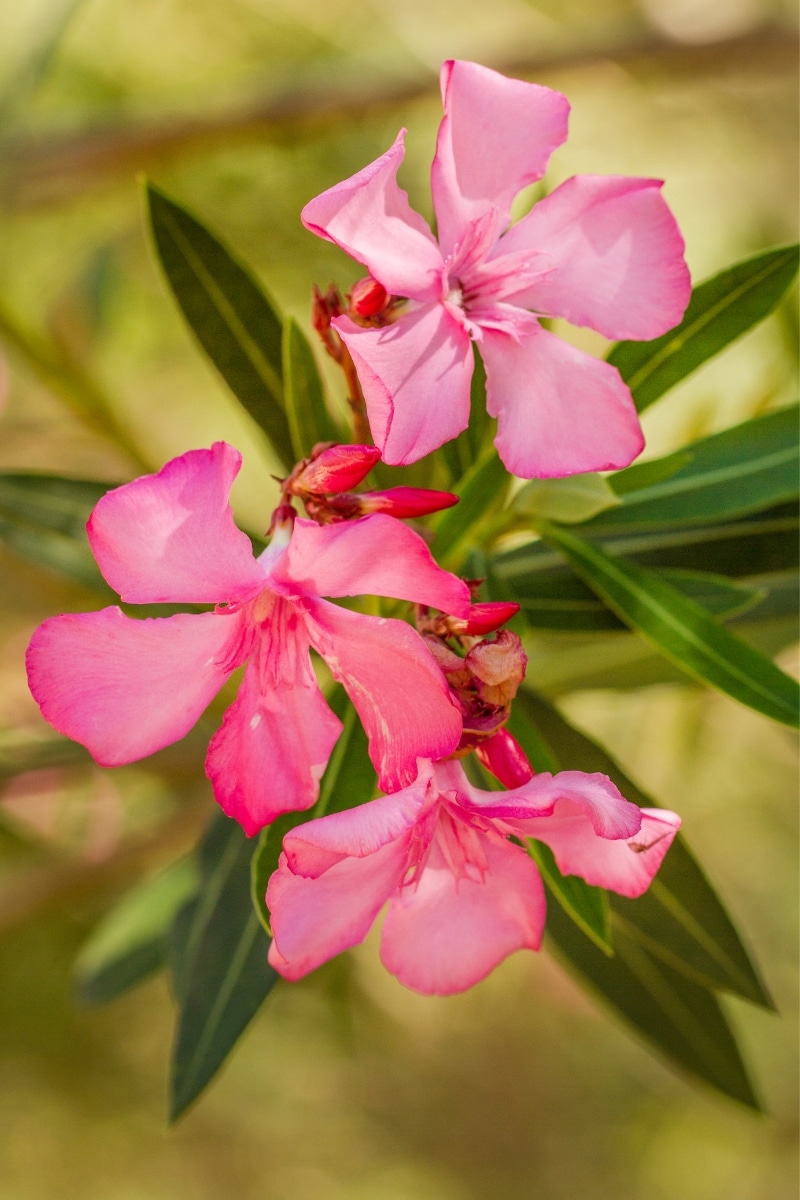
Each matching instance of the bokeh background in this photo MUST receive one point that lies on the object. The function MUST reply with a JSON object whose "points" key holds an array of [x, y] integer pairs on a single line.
{"points": [[347, 1087]]}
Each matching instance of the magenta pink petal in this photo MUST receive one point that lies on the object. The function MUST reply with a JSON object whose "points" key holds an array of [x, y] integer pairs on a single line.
{"points": [[314, 919], [496, 136], [369, 217], [415, 375], [505, 758], [400, 694], [560, 411], [126, 688], [443, 934], [272, 748], [376, 556], [593, 797], [171, 537], [614, 256]]}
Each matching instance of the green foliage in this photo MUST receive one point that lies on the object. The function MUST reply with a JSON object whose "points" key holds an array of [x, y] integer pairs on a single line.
{"points": [[720, 310], [586, 905], [570, 500], [309, 419], [481, 491]]}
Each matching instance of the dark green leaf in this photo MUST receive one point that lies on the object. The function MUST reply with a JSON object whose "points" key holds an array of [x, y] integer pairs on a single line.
{"points": [[720, 310], [129, 943], [228, 313], [586, 905], [481, 490], [309, 420], [681, 629], [218, 953], [461, 452]]}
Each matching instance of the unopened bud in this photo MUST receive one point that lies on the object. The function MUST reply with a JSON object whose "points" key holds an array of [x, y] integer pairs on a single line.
{"points": [[498, 668], [336, 469], [504, 757], [406, 502], [489, 616], [368, 298]]}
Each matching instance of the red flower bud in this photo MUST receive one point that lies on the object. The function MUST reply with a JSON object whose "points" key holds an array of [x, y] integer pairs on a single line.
{"points": [[368, 298], [504, 757], [406, 502], [486, 617], [337, 469]]}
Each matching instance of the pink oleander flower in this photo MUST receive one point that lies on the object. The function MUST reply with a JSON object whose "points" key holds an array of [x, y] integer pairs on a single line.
{"points": [[600, 251], [125, 688], [461, 896]]}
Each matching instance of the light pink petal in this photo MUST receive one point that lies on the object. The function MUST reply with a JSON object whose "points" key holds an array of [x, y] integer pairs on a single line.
{"points": [[126, 688], [272, 748], [443, 934], [594, 798], [375, 556], [560, 411], [415, 375], [613, 255], [624, 865], [400, 694], [313, 848], [314, 919], [370, 218], [496, 136], [171, 537]]}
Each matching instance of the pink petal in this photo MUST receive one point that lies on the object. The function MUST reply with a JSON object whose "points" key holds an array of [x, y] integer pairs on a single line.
{"points": [[504, 757], [171, 537], [272, 748], [624, 865], [614, 256], [400, 694], [443, 934], [375, 556], [314, 919], [126, 688], [560, 411], [496, 136], [369, 217], [415, 375], [594, 799]]}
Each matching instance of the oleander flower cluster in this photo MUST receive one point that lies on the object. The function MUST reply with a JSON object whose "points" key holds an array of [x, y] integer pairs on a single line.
{"points": [[434, 683]]}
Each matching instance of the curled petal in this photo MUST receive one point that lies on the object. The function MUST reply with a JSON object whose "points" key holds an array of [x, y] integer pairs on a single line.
{"points": [[612, 255], [375, 556], [370, 218], [560, 411], [171, 537], [496, 136], [415, 375], [126, 688], [399, 693], [443, 934]]}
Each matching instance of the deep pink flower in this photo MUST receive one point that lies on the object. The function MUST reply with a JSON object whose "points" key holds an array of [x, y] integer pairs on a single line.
{"points": [[125, 688], [461, 896], [601, 251]]}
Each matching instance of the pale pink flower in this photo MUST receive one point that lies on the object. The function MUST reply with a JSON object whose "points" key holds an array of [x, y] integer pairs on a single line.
{"points": [[461, 896], [125, 688], [600, 251]]}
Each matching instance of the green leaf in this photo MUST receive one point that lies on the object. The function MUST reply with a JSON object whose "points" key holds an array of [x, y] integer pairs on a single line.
{"points": [[309, 419], [349, 780], [681, 629], [228, 313], [461, 452], [752, 466], [586, 905], [480, 491], [684, 1021], [720, 310], [218, 953], [680, 918], [129, 944], [571, 500]]}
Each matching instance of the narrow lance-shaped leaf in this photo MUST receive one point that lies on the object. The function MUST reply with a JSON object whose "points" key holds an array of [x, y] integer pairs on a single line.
{"points": [[309, 419], [681, 629], [480, 491], [586, 905], [218, 953], [228, 313], [720, 310]]}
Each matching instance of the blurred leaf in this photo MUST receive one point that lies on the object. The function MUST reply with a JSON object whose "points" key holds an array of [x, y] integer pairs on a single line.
{"points": [[480, 490], [680, 918], [749, 467], [571, 500], [218, 952], [20, 754], [720, 310], [228, 313], [309, 420], [681, 629], [680, 1018], [349, 780], [130, 942], [586, 905], [461, 452]]}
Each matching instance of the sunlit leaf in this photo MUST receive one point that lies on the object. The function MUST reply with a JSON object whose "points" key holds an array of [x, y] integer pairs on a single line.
{"points": [[571, 500], [720, 310], [228, 313], [309, 420]]}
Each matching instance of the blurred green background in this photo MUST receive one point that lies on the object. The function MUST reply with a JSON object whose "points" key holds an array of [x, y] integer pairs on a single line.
{"points": [[347, 1086]]}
